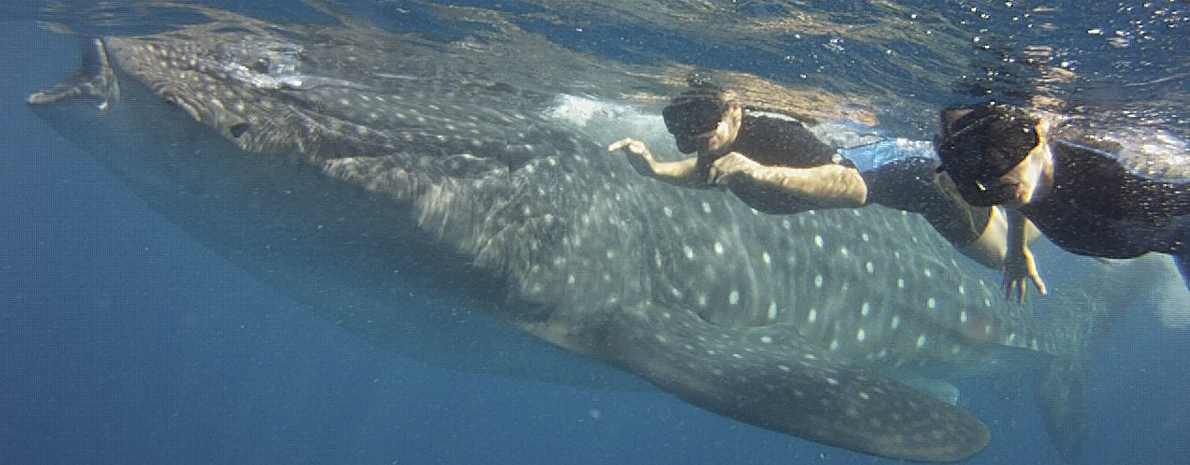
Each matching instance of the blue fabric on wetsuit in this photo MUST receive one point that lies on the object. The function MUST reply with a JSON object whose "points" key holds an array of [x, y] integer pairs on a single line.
{"points": [[871, 156]]}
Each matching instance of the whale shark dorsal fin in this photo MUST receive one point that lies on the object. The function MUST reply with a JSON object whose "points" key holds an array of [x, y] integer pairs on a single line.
{"points": [[95, 78]]}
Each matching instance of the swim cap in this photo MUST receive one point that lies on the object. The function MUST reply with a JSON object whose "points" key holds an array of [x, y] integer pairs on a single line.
{"points": [[980, 144]]}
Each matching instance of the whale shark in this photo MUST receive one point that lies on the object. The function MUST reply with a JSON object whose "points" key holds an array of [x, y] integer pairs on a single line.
{"points": [[359, 170]]}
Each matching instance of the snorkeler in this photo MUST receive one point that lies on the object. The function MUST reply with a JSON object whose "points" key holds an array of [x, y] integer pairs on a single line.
{"points": [[1076, 189], [774, 163], [786, 169]]}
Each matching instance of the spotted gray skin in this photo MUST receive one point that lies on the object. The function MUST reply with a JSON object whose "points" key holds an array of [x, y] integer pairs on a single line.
{"points": [[359, 150]]}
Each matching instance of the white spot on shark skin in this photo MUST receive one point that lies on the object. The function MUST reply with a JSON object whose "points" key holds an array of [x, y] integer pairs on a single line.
{"points": [[860, 335], [895, 322], [766, 339], [931, 303], [865, 309], [900, 283], [688, 251], [834, 345], [706, 207], [870, 267], [921, 341], [963, 316], [772, 310], [812, 316], [734, 297], [718, 248], [818, 281], [764, 256], [843, 251], [865, 237], [818, 240], [669, 212], [928, 273]]}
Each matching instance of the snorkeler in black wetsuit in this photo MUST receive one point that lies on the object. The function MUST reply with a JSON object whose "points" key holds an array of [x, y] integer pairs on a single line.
{"points": [[1075, 189], [775, 164], [772, 162]]}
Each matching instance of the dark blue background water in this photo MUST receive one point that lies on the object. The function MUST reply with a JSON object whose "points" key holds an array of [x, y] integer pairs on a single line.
{"points": [[122, 341]]}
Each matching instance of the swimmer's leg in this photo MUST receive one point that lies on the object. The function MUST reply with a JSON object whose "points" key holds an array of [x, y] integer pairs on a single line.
{"points": [[913, 185]]}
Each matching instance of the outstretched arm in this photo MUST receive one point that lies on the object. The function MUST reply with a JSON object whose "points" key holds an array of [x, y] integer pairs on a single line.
{"points": [[1019, 267], [826, 186], [682, 173]]}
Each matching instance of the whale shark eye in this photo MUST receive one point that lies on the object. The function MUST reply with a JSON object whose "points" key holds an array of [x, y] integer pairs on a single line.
{"points": [[239, 129]]}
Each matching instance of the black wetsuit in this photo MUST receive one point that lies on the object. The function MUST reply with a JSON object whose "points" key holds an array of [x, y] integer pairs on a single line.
{"points": [[913, 184], [1099, 208], [910, 184], [777, 140]]}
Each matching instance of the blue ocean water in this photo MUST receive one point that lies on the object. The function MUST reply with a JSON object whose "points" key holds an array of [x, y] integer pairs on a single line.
{"points": [[124, 341]]}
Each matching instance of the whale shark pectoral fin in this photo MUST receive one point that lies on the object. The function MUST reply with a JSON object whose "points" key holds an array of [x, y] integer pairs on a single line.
{"points": [[939, 388], [774, 378], [95, 78]]}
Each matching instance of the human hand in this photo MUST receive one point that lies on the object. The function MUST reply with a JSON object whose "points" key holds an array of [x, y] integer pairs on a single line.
{"points": [[1019, 268], [638, 155], [731, 167]]}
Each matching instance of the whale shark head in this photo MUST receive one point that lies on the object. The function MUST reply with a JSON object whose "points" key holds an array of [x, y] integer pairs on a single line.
{"points": [[801, 324]]}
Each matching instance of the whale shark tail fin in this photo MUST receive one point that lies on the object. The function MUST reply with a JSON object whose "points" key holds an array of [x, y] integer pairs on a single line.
{"points": [[774, 378], [1077, 320]]}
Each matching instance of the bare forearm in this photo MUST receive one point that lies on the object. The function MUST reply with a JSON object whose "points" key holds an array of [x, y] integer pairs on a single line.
{"points": [[832, 186], [683, 173], [1017, 232]]}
